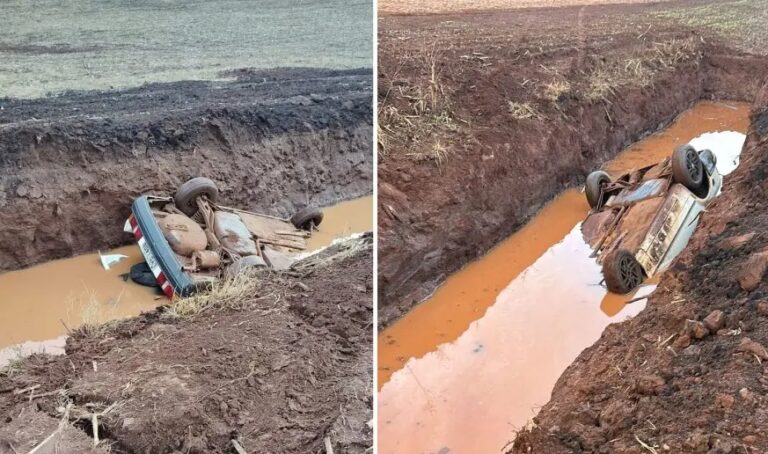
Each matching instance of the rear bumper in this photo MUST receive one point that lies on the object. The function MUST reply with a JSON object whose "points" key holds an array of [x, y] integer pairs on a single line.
{"points": [[157, 252]]}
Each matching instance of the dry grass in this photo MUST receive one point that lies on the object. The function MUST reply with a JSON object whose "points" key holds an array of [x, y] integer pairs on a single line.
{"points": [[555, 90], [437, 153], [523, 111], [601, 84], [639, 70], [235, 293], [93, 316], [414, 114]]}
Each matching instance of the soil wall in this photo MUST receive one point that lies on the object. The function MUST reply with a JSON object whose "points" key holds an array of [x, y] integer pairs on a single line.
{"points": [[272, 140]]}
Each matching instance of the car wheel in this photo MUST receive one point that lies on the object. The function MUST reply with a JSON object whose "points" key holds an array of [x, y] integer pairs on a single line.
{"points": [[687, 168], [622, 272], [142, 275], [246, 263], [594, 187], [187, 194], [307, 217]]}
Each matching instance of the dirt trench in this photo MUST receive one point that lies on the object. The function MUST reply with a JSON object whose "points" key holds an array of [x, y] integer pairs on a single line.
{"points": [[484, 118], [273, 141], [662, 381]]}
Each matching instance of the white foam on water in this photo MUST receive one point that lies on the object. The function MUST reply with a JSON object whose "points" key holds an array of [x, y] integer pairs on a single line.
{"points": [[725, 145]]}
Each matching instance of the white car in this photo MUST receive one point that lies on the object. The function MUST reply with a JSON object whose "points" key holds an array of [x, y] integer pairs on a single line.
{"points": [[643, 219]]}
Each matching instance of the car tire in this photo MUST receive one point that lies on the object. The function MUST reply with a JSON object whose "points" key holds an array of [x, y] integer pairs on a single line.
{"points": [[622, 272], [687, 168], [594, 185], [142, 275], [248, 262], [187, 194], [307, 217]]}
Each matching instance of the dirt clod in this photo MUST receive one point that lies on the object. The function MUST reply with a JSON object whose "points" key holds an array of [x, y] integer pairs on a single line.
{"points": [[737, 241], [747, 345], [724, 401], [650, 384], [714, 321], [752, 271], [697, 442], [747, 395], [696, 329], [682, 341]]}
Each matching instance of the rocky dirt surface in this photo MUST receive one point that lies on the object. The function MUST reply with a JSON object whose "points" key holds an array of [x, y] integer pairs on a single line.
{"points": [[279, 368], [688, 374], [273, 140], [485, 117]]}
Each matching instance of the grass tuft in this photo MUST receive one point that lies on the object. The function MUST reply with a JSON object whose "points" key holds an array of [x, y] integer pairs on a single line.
{"points": [[232, 293], [92, 318], [523, 111], [437, 153], [555, 90], [639, 70]]}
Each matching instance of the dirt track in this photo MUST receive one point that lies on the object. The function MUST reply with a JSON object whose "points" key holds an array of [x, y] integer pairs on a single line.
{"points": [[272, 140], [279, 371], [550, 93], [636, 383]]}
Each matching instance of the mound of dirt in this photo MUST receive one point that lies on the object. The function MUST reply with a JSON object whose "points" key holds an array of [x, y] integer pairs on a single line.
{"points": [[280, 370], [688, 373], [484, 118], [273, 141]]}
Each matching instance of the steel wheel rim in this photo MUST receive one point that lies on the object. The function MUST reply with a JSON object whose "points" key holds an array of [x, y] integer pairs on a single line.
{"points": [[692, 163], [629, 272]]}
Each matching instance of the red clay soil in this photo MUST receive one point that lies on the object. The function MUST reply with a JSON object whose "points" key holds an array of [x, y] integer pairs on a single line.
{"points": [[486, 117], [281, 371], [272, 140], [689, 373]]}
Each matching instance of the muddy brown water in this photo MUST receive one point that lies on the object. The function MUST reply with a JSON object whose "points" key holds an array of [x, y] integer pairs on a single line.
{"points": [[473, 363], [39, 304]]}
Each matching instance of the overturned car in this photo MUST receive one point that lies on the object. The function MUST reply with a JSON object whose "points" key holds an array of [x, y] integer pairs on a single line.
{"points": [[189, 241], [643, 219]]}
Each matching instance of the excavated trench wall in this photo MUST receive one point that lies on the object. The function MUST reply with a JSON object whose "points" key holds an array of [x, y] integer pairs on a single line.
{"points": [[486, 201], [71, 165]]}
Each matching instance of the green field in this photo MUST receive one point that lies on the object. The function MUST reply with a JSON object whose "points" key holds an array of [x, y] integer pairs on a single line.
{"points": [[49, 46]]}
